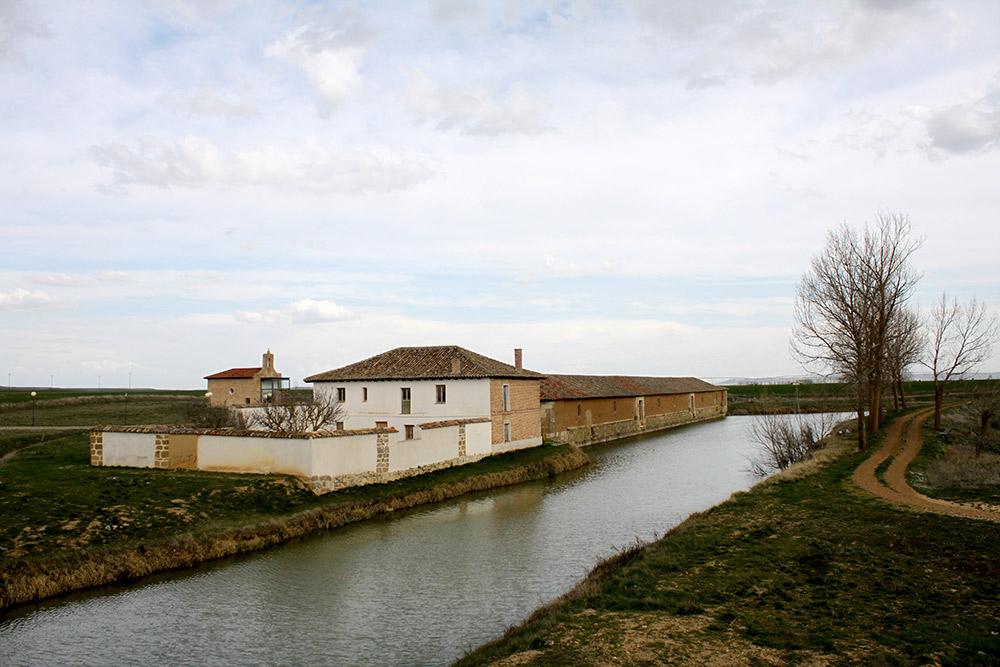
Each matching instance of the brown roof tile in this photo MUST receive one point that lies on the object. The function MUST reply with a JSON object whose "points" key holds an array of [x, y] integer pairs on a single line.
{"points": [[234, 374], [560, 387], [424, 363]]}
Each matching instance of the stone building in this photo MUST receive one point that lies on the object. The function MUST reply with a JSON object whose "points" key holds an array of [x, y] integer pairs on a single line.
{"points": [[416, 389], [586, 409], [246, 387]]}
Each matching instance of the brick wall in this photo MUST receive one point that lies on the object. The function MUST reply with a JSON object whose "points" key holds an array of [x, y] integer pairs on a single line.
{"points": [[525, 409]]}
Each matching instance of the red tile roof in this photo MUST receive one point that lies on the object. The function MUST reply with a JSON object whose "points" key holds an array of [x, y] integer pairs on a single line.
{"points": [[234, 374], [561, 387], [425, 363]]}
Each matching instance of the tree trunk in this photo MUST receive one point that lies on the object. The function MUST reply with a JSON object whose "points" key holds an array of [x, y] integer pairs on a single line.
{"points": [[895, 398], [938, 400], [875, 407], [862, 424], [902, 395], [984, 423]]}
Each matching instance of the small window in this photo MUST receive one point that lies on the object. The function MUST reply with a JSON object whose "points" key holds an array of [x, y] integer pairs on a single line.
{"points": [[404, 407], [506, 431], [579, 409], [441, 394], [341, 394], [364, 394], [614, 406], [231, 391], [409, 431], [506, 398], [340, 426], [381, 424], [247, 400]]}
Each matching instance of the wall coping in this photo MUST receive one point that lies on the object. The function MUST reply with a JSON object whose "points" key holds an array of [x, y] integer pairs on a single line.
{"points": [[453, 422], [241, 433]]}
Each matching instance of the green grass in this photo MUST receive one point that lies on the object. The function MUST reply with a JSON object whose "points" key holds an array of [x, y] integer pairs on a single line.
{"points": [[790, 569], [52, 500], [113, 410]]}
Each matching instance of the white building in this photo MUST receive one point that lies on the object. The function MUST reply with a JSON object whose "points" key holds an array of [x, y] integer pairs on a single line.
{"points": [[416, 389]]}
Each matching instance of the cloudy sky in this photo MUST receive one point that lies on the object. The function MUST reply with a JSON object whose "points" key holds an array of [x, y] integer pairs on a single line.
{"points": [[630, 186]]}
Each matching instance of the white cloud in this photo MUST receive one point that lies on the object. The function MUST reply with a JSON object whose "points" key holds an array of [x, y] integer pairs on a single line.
{"points": [[195, 162], [211, 103], [18, 23], [476, 112], [303, 311], [329, 49], [22, 299], [969, 127]]}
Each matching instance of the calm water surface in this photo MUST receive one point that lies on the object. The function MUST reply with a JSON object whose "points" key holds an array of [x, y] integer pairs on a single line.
{"points": [[421, 587]]}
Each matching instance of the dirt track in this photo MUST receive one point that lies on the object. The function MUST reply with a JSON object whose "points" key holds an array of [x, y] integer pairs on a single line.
{"points": [[903, 440]]}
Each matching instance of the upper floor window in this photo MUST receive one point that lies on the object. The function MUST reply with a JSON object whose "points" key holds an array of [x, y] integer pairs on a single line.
{"points": [[441, 394], [506, 398], [506, 431], [364, 394], [404, 407], [341, 394]]}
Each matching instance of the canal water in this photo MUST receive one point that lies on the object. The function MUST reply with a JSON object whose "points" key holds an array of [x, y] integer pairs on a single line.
{"points": [[418, 588]]}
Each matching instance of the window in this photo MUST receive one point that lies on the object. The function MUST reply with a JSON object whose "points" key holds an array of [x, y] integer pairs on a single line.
{"points": [[364, 394], [506, 398], [247, 399], [340, 426], [381, 424], [341, 394], [231, 391], [614, 406], [506, 431], [579, 409], [408, 429], [404, 407], [441, 395]]}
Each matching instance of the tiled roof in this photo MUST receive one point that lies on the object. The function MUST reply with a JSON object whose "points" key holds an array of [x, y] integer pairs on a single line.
{"points": [[425, 363], [234, 374], [556, 387], [453, 422]]}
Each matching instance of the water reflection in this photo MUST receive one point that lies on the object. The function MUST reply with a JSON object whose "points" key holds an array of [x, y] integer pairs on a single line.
{"points": [[421, 587]]}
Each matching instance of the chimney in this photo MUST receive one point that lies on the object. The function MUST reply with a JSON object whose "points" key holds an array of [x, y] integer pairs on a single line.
{"points": [[456, 365], [517, 359]]}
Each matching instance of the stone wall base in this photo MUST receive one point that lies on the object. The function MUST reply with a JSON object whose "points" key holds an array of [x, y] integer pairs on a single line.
{"points": [[626, 428], [326, 483]]}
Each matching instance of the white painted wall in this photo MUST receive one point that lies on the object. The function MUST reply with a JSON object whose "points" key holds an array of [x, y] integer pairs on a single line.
{"points": [[501, 447], [135, 450], [478, 439], [438, 444], [344, 455], [465, 399], [248, 454]]}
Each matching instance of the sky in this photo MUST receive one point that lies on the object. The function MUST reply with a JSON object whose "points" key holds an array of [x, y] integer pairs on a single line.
{"points": [[618, 187]]}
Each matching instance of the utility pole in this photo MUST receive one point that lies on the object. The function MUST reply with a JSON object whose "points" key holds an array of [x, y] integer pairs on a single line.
{"points": [[98, 383], [51, 381], [130, 380]]}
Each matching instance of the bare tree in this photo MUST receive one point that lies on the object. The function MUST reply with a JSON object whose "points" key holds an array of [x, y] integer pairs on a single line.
{"points": [[848, 302], [959, 338], [288, 414], [786, 439], [985, 408], [904, 345]]}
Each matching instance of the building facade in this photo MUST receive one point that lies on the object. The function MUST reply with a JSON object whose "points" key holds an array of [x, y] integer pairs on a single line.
{"points": [[246, 387], [415, 389], [587, 409]]}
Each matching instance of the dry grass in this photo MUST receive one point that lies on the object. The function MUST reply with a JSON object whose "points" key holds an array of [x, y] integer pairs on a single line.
{"points": [[959, 467], [34, 580]]}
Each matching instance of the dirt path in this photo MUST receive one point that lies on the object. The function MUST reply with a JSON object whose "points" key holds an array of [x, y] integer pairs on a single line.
{"points": [[903, 440]]}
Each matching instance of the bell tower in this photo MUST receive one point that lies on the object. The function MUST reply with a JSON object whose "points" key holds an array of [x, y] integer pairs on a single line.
{"points": [[268, 364]]}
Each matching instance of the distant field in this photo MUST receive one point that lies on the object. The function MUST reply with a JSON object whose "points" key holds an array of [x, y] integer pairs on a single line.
{"points": [[109, 409], [23, 395]]}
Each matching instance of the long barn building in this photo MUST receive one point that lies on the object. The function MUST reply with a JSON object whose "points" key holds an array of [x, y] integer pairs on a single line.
{"points": [[587, 409]]}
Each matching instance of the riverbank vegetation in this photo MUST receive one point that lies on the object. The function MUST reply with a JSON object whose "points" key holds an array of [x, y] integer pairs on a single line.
{"points": [[804, 568], [949, 465], [65, 525]]}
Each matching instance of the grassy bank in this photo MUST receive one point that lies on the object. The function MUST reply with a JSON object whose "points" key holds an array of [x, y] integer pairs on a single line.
{"points": [[23, 394], [65, 525], [948, 467], [806, 570]]}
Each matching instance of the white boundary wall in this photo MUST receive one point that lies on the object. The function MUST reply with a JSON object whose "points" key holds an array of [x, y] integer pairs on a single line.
{"points": [[133, 450]]}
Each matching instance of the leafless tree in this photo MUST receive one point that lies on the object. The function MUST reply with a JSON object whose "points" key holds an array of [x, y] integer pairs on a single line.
{"points": [[289, 414], [904, 346], [985, 408], [786, 439], [848, 302], [959, 338]]}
